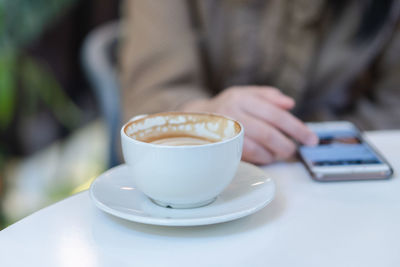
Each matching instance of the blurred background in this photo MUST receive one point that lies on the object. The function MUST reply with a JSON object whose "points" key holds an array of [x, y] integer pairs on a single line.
{"points": [[54, 137]]}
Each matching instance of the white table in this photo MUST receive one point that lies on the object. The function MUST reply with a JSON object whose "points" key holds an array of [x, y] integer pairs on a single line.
{"points": [[308, 224]]}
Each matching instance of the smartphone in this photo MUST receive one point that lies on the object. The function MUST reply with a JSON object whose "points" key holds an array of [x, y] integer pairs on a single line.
{"points": [[342, 154]]}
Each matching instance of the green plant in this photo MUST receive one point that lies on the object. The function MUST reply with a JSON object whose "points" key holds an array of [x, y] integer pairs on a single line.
{"points": [[26, 82], [21, 22]]}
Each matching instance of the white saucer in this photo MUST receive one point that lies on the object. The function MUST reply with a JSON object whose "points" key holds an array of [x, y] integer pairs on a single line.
{"points": [[114, 192]]}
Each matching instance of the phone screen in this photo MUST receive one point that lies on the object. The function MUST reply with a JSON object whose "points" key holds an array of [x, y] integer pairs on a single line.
{"points": [[339, 147]]}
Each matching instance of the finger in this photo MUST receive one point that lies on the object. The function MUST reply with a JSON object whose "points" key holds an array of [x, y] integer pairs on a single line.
{"points": [[280, 119], [268, 137], [255, 153], [274, 96]]}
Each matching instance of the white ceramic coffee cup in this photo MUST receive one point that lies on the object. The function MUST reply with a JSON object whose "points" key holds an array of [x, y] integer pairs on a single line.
{"points": [[185, 176]]}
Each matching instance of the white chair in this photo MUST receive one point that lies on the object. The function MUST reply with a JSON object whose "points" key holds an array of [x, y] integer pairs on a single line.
{"points": [[99, 62]]}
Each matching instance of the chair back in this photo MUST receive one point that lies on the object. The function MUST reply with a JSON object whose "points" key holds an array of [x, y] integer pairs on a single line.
{"points": [[99, 62]]}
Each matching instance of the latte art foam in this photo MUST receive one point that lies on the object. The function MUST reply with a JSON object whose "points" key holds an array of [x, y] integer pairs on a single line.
{"points": [[182, 129], [181, 141]]}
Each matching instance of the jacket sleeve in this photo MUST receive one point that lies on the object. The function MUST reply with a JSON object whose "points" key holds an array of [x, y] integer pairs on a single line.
{"points": [[382, 109], [159, 57]]}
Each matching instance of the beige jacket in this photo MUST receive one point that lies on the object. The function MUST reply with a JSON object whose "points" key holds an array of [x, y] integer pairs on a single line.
{"points": [[174, 51]]}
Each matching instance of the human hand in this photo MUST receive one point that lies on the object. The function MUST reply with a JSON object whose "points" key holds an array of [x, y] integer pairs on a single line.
{"points": [[264, 113]]}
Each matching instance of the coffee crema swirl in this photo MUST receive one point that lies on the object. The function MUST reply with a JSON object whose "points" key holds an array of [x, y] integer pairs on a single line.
{"points": [[181, 141], [182, 129]]}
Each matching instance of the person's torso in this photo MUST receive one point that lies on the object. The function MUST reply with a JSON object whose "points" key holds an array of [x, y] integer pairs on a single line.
{"points": [[305, 48]]}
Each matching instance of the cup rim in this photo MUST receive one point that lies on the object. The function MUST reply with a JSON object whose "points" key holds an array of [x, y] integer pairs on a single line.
{"points": [[142, 116]]}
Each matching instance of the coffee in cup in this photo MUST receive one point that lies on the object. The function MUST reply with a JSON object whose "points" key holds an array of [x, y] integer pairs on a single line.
{"points": [[180, 159]]}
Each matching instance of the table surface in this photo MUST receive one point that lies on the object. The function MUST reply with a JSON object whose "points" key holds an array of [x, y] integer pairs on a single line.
{"points": [[307, 224]]}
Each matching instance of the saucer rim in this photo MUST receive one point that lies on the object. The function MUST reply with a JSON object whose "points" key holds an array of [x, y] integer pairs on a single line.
{"points": [[181, 221]]}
